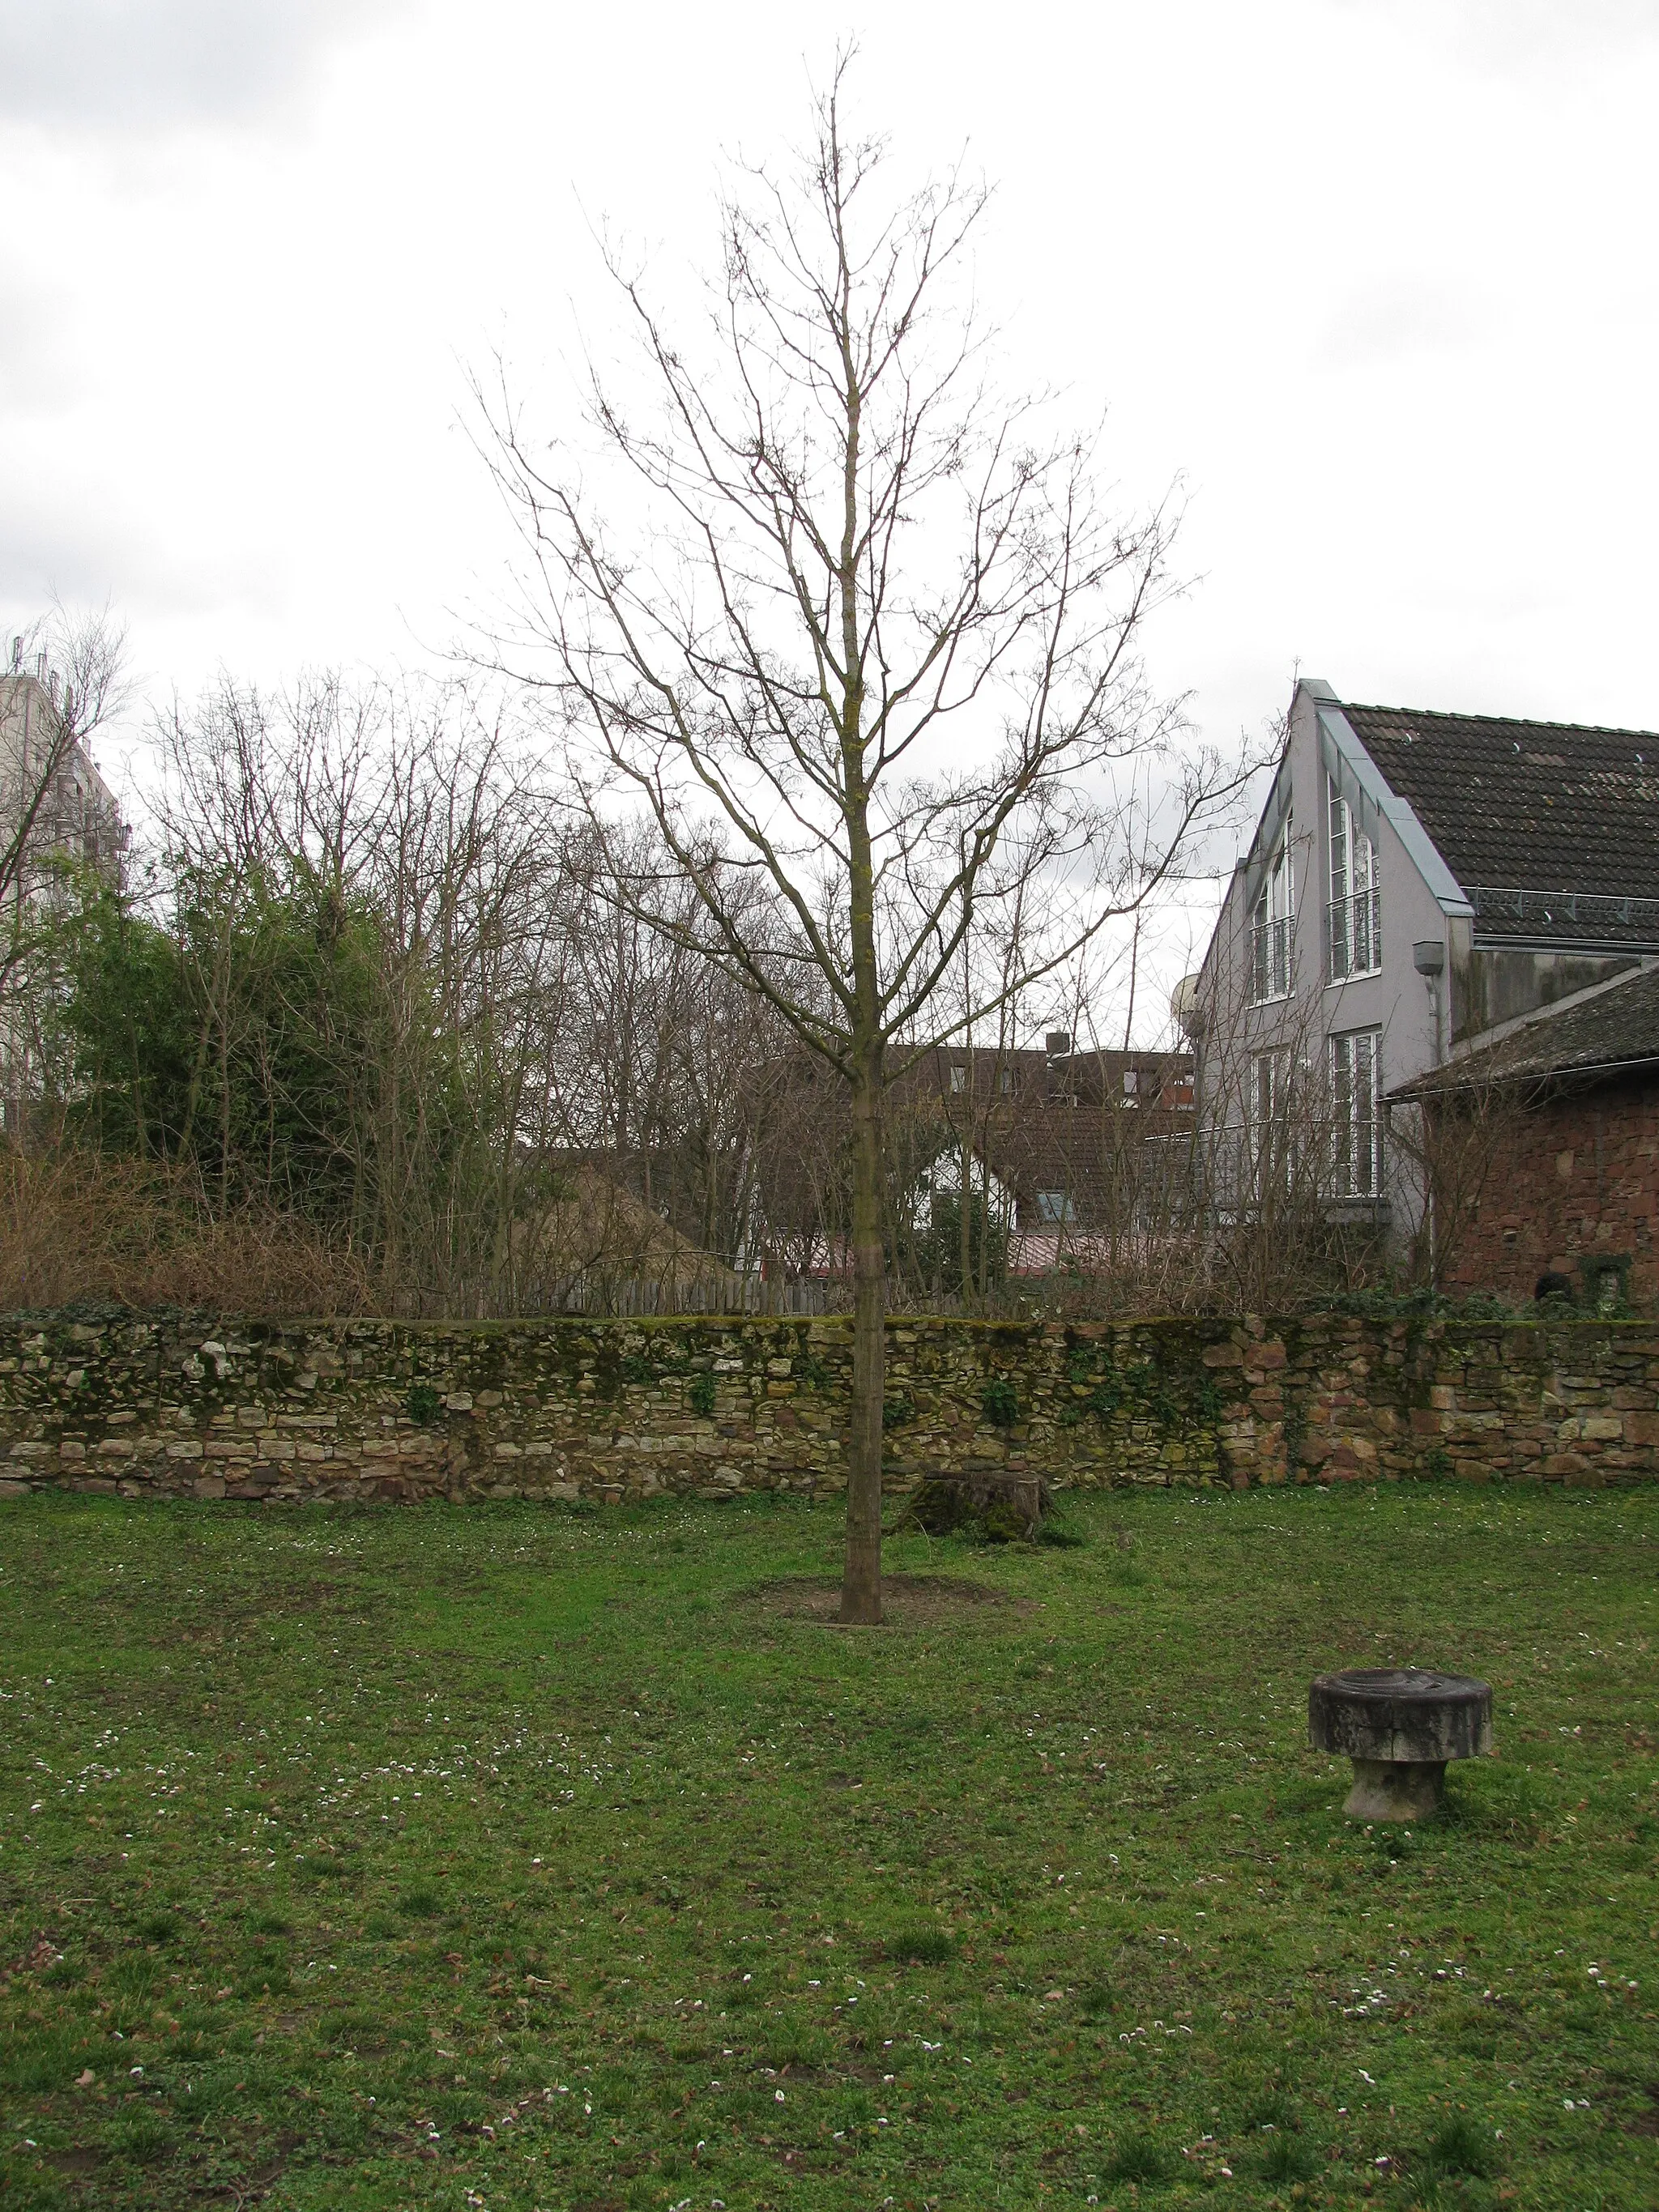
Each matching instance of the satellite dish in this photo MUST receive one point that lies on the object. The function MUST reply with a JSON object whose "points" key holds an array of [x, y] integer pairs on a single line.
{"points": [[1183, 1005]]}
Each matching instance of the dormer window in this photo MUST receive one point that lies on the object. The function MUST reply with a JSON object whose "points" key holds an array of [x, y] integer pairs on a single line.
{"points": [[1054, 1208], [958, 1076], [1354, 915]]}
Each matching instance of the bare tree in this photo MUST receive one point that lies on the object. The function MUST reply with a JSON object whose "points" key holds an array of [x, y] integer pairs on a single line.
{"points": [[419, 1006], [876, 643]]}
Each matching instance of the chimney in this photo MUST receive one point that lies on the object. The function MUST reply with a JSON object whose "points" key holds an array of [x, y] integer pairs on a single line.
{"points": [[1058, 1046]]}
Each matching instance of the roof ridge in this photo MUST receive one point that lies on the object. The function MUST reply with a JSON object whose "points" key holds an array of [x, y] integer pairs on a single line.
{"points": [[1498, 721]]}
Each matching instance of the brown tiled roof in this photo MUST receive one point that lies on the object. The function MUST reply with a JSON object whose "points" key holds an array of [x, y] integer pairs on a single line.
{"points": [[1615, 1026], [1062, 1124], [1079, 1152], [1540, 807]]}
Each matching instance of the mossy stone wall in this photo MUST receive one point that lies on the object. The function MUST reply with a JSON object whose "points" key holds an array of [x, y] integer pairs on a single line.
{"points": [[171, 1404]]}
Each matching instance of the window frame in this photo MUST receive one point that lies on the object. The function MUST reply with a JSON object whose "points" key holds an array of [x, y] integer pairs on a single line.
{"points": [[1272, 926], [1269, 1112], [1353, 909], [1356, 1111]]}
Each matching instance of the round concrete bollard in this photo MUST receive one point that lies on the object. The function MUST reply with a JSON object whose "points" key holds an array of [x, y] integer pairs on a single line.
{"points": [[1400, 1725]]}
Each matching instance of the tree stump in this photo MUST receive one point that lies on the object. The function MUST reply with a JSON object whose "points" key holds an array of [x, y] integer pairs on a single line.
{"points": [[1399, 1726], [996, 1508]]}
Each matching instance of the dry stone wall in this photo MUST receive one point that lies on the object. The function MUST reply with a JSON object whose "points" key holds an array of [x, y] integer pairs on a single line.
{"points": [[161, 1405]]}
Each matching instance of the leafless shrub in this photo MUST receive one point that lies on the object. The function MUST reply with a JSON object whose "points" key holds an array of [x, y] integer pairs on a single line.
{"points": [[75, 1229], [1454, 1135]]}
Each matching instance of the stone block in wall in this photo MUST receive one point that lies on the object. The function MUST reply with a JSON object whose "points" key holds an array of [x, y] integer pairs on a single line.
{"points": [[1591, 1428]]}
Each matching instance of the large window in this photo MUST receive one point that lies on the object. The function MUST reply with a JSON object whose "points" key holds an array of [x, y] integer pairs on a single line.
{"points": [[1269, 1109], [1356, 1058], [1270, 928], [1354, 915]]}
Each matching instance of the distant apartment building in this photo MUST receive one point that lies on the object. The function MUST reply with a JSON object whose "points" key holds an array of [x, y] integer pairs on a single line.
{"points": [[54, 804], [52, 799]]}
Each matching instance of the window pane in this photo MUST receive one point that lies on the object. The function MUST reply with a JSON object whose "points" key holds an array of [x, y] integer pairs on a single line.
{"points": [[1357, 1128], [1339, 845], [1365, 1132]]}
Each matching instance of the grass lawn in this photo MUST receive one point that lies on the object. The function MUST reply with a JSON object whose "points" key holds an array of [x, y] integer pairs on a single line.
{"points": [[505, 1857]]}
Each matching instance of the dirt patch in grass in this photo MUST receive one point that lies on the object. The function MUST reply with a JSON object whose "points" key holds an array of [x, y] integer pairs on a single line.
{"points": [[75, 2164], [909, 1600]]}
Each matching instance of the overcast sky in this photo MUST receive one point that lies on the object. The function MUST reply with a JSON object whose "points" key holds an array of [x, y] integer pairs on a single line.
{"points": [[1376, 280]]}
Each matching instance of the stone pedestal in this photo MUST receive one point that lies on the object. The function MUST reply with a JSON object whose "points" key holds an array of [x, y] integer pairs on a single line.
{"points": [[1401, 1726]]}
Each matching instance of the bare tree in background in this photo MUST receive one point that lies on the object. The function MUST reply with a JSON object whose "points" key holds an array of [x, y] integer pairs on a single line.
{"points": [[665, 1052], [874, 645]]}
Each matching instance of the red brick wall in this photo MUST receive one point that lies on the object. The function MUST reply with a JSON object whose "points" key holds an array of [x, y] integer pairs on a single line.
{"points": [[1578, 1177]]}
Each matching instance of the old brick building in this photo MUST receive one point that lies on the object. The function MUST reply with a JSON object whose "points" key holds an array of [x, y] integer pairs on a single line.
{"points": [[1555, 1118]]}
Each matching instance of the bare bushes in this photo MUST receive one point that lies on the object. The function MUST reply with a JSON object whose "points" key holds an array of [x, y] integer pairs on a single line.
{"points": [[75, 1229]]}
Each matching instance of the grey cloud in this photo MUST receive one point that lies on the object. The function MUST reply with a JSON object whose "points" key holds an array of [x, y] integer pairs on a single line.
{"points": [[152, 65], [60, 537], [52, 546], [1523, 33], [1393, 318], [1528, 38], [43, 366]]}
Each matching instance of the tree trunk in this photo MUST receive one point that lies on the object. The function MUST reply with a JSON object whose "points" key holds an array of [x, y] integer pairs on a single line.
{"points": [[860, 1589]]}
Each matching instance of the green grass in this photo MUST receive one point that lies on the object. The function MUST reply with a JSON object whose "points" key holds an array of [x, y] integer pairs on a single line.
{"points": [[517, 1858]]}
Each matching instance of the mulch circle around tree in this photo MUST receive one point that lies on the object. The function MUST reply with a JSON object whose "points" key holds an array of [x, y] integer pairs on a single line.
{"points": [[907, 1601]]}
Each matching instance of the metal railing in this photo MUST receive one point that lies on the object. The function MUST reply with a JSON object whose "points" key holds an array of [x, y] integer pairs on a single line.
{"points": [[1595, 914], [1270, 959]]}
